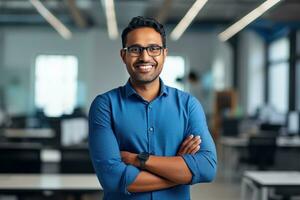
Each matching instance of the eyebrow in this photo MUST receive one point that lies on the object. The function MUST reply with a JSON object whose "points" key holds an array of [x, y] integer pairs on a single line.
{"points": [[146, 46]]}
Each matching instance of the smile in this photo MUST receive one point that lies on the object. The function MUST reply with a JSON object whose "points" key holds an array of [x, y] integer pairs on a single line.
{"points": [[145, 68]]}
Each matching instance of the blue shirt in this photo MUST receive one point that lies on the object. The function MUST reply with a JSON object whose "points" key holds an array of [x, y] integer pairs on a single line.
{"points": [[121, 120]]}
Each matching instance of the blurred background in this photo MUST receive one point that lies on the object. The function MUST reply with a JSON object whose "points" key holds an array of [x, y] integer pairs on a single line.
{"points": [[240, 58]]}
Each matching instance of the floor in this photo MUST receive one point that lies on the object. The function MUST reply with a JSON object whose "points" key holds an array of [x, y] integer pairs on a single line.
{"points": [[217, 190], [221, 188]]}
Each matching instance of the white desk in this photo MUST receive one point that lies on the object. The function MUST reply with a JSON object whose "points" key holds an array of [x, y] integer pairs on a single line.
{"points": [[281, 141], [49, 182], [38, 133], [261, 181], [232, 147], [288, 141]]}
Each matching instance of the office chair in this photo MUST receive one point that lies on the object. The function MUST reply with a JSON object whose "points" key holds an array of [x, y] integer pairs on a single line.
{"points": [[260, 152], [230, 126], [75, 160], [16, 160], [270, 127]]}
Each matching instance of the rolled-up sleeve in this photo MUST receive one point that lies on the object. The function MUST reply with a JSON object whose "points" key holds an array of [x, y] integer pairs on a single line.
{"points": [[203, 164], [113, 174]]}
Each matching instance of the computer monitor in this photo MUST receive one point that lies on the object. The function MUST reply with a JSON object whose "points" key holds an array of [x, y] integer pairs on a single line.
{"points": [[230, 126], [73, 131], [293, 123], [270, 127]]}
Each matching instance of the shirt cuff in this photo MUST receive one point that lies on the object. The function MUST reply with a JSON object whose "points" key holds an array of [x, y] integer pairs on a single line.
{"points": [[129, 176], [191, 163]]}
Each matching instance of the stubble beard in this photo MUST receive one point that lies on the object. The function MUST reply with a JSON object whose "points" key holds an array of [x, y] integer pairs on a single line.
{"points": [[139, 79]]}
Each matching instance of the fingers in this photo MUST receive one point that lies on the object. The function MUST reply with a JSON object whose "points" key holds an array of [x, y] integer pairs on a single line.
{"points": [[195, 149], [190, 146], [185, 142]]}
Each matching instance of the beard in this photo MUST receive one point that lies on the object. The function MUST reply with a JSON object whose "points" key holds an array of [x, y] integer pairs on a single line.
{"points": [[137, 78], [144, 78]]}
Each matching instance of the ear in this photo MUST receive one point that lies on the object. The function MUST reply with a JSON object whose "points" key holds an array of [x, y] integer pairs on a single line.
{"points": [[123, 55], [165, 52]]}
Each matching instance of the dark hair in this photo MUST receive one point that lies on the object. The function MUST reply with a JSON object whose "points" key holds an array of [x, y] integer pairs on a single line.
{"points": [[139, 22]]}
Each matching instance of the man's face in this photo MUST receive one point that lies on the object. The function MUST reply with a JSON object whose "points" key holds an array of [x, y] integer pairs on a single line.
{"points": [[143, 69]]}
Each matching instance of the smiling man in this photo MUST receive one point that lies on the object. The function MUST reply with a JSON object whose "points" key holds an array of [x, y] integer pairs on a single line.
{"points": [[145, 137]]}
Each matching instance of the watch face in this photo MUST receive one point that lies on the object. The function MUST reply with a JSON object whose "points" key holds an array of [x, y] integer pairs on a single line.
{"points": [[143, 156]]}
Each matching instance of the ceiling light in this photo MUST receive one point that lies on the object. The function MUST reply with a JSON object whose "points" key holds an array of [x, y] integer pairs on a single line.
{"points": [[111, 21], [187, 19], [51, 19], [250, 17]]}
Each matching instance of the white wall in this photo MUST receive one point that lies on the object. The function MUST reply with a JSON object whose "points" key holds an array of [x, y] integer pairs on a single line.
{"points": [[251, 71], [202, 49], [100, 67]]}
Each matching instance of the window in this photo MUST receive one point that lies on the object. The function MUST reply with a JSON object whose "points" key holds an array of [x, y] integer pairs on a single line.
{"points": [[278, 89], [218, 72], [174, 68], [56, 84], [298, 71], [298, 84], [278, 75], [254, 66], [279, 50]]}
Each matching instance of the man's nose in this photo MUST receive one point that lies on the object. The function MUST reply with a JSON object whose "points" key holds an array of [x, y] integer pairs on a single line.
{"points": [[144, 55]]}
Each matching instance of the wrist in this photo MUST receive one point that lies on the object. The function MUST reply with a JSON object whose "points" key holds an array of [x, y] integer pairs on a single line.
{"points": [[136, 161], [142, 159]]}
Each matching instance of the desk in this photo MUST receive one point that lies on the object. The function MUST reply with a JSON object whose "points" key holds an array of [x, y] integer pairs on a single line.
{"points": [[261, 181], [22, 183], [233, 146], [288, 141], [39, 133], [281, 141]]}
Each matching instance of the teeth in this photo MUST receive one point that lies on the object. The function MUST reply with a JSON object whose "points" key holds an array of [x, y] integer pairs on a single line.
{"points": [[145, 67]]}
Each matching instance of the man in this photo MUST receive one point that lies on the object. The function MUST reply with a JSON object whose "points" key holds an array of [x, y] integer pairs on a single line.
{"points": [[144, 137]]}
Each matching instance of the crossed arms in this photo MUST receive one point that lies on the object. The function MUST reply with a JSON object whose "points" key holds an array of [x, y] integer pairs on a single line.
{"points": [[163, 172], [118, 171]]}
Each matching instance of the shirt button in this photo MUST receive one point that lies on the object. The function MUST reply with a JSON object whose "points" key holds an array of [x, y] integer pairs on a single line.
{"points": [[150, 107], [151, 129]]}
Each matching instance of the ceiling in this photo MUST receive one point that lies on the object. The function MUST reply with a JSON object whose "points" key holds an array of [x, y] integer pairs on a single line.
{"points": [[21, 12]]}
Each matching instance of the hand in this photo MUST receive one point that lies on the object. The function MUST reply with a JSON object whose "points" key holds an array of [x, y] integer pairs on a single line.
{"points": [[129, 158], [190, 145]]}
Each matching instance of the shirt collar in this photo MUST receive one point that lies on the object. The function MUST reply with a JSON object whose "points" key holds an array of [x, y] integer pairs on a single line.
{"points": [[130, 91]]}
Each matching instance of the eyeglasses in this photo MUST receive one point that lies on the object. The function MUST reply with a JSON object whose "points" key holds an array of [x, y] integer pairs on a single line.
{"points": [[136, 51]]}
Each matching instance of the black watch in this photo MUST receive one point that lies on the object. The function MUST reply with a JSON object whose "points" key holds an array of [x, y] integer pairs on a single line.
{"points": [[143, 157]]}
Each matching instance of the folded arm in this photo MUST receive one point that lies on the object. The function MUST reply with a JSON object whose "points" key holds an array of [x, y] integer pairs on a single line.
{"points": [[106, 157], [186, 168], [147, 181], [172, 168]]}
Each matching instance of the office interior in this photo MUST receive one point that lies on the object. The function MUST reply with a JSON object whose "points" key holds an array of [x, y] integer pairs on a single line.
{"points": [[248, 85]]}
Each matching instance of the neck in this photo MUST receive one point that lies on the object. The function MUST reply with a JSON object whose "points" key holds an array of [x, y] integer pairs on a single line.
{"points": [[148, 91]]}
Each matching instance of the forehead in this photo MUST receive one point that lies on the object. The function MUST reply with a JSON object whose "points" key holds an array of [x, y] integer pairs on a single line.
{"points": [[143, 36]]}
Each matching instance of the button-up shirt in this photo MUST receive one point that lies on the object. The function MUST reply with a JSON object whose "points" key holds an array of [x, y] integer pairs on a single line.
{"points": [[121, 120]]}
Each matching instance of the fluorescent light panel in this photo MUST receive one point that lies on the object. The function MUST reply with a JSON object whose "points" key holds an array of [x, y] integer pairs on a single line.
{"points": [[187, 19], [51, 19], [111, 20], [250, 17]]}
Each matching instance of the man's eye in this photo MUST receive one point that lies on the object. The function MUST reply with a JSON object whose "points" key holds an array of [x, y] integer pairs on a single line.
{"points": [[134, 49], [154, 48]]}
